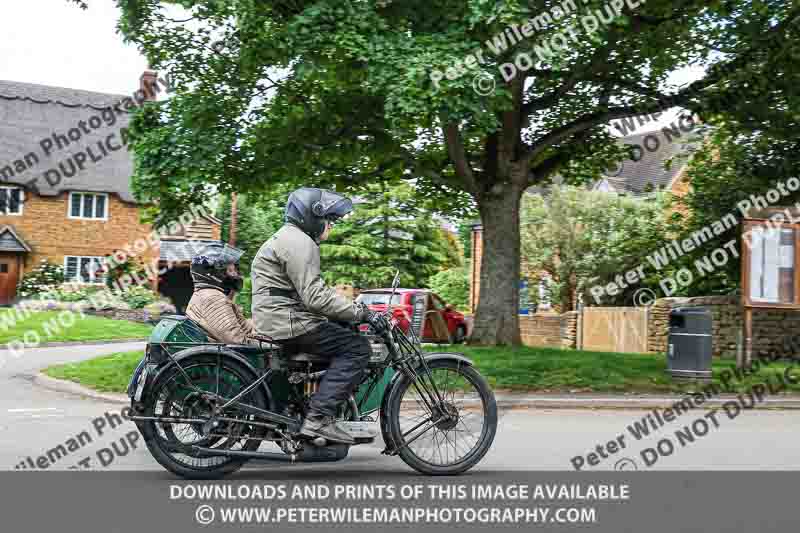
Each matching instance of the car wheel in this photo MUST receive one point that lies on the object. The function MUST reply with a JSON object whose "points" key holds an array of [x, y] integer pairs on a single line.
{"points": [[459, 335]]}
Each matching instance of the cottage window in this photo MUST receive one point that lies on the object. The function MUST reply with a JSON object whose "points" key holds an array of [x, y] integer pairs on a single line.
{"points": [[11, 201], [88, 205], [83, 269]]}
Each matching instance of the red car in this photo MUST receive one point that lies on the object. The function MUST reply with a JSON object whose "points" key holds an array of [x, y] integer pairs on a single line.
{"points": [[442, 322]]}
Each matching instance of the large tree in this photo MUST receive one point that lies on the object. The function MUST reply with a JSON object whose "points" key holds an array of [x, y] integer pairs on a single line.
{"points": [[337, 91]]}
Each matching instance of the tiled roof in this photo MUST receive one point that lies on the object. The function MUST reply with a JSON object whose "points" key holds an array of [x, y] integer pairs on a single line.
{"points": [[648, 173], [45, 94], [30, 113], [11, 242]]}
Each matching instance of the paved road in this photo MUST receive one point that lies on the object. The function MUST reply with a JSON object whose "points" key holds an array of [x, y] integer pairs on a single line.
{"points": [[34, 420]]}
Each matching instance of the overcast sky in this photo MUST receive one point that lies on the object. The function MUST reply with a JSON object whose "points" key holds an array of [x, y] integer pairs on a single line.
{"points": [[53, 42]]}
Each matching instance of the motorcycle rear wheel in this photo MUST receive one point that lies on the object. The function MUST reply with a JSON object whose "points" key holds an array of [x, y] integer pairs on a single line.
{"points": [[171, 444]]}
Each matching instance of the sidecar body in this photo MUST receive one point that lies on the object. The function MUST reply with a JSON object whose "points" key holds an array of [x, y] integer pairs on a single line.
{"points": [[176, 333]]}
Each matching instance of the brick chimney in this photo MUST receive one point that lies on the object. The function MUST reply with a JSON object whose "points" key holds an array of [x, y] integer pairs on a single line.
{"points": [[148, 84]]}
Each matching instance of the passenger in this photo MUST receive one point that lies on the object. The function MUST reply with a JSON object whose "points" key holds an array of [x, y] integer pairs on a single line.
{"points": [[216, 277]]}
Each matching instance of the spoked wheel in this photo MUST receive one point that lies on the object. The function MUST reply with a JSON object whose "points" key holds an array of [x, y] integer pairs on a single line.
{"points": [[171, 443], [448, 437]]}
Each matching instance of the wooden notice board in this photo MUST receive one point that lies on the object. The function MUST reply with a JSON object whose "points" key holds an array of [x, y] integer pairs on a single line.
{"points": [[770, 266]]}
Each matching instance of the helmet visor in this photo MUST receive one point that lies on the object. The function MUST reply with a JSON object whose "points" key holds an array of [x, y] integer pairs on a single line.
{"points": [[335, 206], [224, 253]]}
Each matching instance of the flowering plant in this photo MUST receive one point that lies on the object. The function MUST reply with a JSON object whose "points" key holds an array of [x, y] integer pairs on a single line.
{"points": [[43, 278]]}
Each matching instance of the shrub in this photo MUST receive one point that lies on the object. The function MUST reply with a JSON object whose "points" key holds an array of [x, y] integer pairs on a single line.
{"points": [[138, 297], [133, 267], [245, 297], [44, 278], [452, 285], [72, 293]]}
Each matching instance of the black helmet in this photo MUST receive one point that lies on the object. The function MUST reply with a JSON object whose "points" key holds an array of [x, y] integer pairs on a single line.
{"points": [[210, 268], [308, 208]]}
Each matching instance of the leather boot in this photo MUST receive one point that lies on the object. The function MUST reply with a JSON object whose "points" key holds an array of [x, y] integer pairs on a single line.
{"points": [[322, 425]]}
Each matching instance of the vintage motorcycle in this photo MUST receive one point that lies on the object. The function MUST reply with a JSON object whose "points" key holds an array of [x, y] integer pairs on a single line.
{"points": [[204, 409]]}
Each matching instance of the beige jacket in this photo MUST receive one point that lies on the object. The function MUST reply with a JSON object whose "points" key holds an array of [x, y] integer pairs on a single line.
{"points": [[289, 260], [220, 317]]}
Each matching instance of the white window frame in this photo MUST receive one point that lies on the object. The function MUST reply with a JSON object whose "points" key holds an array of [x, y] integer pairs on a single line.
{"points": [[3, 211], [95, 279], [94, 200]]}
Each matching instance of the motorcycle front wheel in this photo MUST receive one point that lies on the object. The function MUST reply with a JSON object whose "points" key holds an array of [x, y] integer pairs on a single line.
{"points": [[448, 437]]}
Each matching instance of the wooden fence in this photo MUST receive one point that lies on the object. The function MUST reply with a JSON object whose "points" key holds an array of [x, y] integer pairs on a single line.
{"points": [[614, 329]]}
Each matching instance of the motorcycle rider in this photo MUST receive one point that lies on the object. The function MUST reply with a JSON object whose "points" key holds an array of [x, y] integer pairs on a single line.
{"points": [[292, 305], [215, 272]]}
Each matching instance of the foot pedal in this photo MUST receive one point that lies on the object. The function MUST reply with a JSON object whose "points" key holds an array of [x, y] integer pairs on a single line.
{"points": [[359, 429]]}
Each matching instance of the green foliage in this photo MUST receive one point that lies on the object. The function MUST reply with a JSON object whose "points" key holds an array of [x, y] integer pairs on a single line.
{"points": [[244, 299], [132, 267], [734, 164], [259, 216], [453, 286], [41, 279], [67, 293], [465, 236], [138, 297], [581, 238], [388, 230]]}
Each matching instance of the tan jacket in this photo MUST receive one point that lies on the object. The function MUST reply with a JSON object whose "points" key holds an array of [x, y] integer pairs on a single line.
{"points": [[289, 260], [220, 317]]}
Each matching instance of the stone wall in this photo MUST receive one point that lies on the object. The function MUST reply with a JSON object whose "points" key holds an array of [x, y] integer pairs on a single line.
{"points": [[569, 329], [771, 328], [551, 330], [133, 315]]}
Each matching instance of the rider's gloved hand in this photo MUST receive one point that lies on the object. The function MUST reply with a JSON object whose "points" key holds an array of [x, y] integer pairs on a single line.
{"points": [[363, 314]]}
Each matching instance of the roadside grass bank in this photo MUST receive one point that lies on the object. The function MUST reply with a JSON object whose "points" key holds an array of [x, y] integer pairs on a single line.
{"points": [[49, 328], [521, 369]]}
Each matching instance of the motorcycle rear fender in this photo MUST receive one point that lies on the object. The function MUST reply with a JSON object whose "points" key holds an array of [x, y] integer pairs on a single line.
{"points": [[206, 350], [387, 394]]}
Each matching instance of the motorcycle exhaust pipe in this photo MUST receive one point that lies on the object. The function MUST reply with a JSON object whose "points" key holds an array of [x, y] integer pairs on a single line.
{"points": [[272, 456], [334, 452]]}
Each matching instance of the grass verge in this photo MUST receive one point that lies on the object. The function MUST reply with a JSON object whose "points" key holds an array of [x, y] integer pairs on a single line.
{"points": [[518, 369], [47, 327]]}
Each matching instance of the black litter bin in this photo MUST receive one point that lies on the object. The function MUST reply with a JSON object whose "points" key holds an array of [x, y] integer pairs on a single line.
{"points": [[689, 346]]}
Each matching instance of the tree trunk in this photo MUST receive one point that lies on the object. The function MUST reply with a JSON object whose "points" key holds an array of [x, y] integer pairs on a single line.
{"points": [[567, 295], [497, 314]]}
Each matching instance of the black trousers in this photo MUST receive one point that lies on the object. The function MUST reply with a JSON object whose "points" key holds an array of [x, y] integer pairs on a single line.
{"points": [[349, 353]]}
